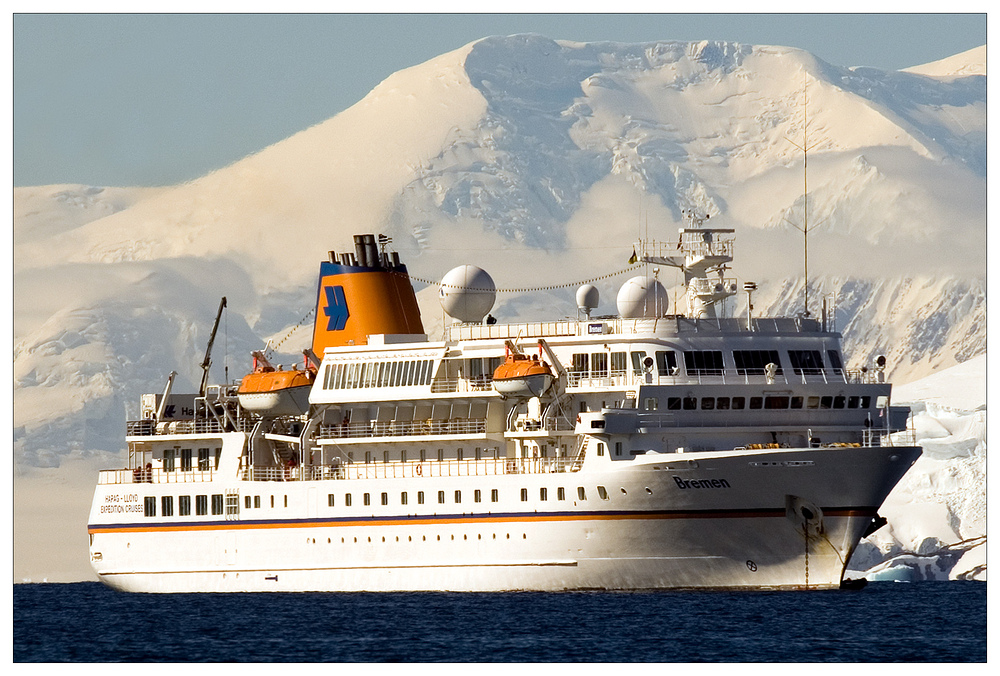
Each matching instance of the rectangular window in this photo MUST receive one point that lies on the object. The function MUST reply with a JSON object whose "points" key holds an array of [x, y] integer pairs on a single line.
{"points": [[217, 503], [739, 403], [347, 499], [651, 403], [581, 364], [149, 505], [599, 364], [600, 448], [185, 459], [458, 497], [603, 492], [402, 498], [703, 362], [329, 500], [184, 505], [543, 493], [707, 403], [806, 362], [494, 495], [272, 502], [246, 501], [368, 499], [673, 403], [582, 493], [218, 457], [256, 501], [618, 449], [812, 402], [169, 459], [385, 456], [420, 497], [637, 359], [203, 460], [167, 503], [461, 454], [201, 505], [796, 402], [756, 402], [775, 402], [666, 362], [385, 498], [440, 497], [866, 402], [560, 493], [752, 362], [834, 358], [478, 495], [839, 401], [524, 495], [690, 403], [722, 403], [619, 363]]}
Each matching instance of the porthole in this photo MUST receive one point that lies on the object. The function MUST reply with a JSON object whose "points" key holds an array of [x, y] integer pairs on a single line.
{"points": [[648, 491], [624, 492]]}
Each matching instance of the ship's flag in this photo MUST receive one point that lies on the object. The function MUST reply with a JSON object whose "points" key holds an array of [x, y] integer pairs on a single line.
{"points": [[634, 258]]}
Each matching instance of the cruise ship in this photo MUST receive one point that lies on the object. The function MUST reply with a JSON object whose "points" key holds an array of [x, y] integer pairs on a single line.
{"points": [[650, 449]]}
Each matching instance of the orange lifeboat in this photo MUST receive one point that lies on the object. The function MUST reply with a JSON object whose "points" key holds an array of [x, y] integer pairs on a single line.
{"points": [[269, 392], [522, 376]]}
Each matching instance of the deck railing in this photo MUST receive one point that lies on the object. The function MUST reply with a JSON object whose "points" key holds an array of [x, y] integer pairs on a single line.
{"points": [[403, 428], [154, 475], [415, 469]]}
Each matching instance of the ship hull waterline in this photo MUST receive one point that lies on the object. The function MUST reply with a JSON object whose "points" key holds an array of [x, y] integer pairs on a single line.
{"points": [[751, 537]]}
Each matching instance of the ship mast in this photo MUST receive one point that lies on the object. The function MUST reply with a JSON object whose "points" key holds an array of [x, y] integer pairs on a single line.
{"points": [[805, 148]]}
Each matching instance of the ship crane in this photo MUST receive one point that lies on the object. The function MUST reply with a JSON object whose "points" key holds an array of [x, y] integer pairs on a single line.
{"points": [[207, 364]]}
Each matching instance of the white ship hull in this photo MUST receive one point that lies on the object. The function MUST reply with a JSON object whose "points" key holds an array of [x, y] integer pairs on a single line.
{"points": [[746, 531]]}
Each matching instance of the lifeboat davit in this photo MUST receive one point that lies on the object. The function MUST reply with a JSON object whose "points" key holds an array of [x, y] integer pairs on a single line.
{"points": [[268, 392], [522, 376]]}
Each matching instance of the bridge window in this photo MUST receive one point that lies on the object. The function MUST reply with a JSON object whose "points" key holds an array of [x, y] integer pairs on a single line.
{"points": [[203, 465], [581, 364], [185, 459], [169, 461], [752, 362], [703, 362], [619, 363], [834, 358], [806, 362], [666, 362], [637, 358]]}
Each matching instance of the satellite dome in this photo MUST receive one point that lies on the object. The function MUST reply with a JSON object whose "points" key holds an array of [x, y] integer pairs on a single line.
{"points": [[467, 293], [642, 297], [587, 298]]}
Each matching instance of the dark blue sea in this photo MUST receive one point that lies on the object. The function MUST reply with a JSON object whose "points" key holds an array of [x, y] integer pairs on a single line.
{"points": [[884, 622]]}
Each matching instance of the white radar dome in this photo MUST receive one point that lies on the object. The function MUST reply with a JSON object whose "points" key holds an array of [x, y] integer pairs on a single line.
{"points": [[642, 297], [467, 293], [587, 298]]}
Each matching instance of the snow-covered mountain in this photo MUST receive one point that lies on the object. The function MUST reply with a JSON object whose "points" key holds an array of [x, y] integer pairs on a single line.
{"points": [[541, 161]]}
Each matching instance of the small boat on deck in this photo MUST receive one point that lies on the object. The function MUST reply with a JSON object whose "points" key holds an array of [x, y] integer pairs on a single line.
{"points": [[274, 392], [522, 376]]}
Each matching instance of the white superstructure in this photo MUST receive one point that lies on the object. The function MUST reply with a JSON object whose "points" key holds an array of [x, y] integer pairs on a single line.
{"points": [[666, 451]]}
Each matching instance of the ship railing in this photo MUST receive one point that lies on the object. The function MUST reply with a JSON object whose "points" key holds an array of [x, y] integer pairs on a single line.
{"points": [[142, 428], [877, 437], [415, 469], [154, 475], [482, 383], [403, 428]]}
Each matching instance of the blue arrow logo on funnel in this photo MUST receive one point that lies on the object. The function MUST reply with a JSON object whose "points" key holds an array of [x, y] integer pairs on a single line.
{"points": [[336, 308]]}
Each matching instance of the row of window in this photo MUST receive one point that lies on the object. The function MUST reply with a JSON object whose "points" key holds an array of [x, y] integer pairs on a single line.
{"points": [[349, 376], [207, 460], [221, 504], [477, 496], [702, 362], [770, 402]]}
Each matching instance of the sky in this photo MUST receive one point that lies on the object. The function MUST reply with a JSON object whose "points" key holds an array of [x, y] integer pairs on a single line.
{"points": [[158, 99]]}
